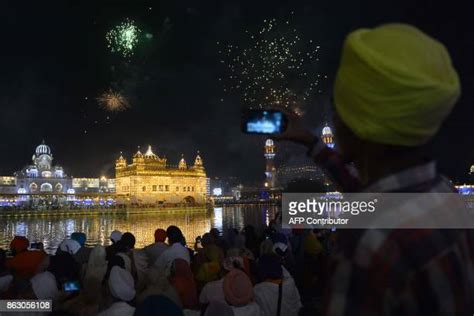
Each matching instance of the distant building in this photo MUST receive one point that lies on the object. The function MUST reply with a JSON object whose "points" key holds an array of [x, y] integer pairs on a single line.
{"points": [[327, 136], [42, 177], [93, 185], [43, 183], [149, 179], [287, 174], [8, 185], [467, 189]]}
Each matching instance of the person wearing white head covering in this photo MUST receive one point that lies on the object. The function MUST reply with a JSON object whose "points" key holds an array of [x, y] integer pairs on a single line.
{"points": [[122, 289], [44, 286], [97, 265], [115, 236], [70, 246], [111, 250]]}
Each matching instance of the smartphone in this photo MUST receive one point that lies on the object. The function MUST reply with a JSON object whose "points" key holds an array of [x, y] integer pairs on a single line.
{"points": [[266, 122], [71, 286]]}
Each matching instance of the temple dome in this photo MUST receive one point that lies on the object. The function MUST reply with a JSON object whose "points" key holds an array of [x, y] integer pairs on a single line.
{"points": [[327, 130], [138, 154], [150, 154], [43, 149], [182, 163]]}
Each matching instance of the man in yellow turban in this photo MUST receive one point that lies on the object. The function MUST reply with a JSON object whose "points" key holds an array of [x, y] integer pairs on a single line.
{"points": [[394, 87]]}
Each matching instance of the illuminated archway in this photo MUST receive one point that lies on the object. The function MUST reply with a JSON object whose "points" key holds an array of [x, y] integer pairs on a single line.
{"points": [[189, 200], [46, 187]]}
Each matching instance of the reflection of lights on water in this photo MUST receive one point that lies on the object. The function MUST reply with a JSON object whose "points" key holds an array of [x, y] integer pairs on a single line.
{"points": [[21, 229], [52, 229], [218, 218], [267, 217], [69, 227]]}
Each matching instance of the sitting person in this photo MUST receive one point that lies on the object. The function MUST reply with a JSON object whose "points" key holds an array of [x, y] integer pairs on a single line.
{"points": [[42, 286], [88, 302], [69, 246], [176, 249], [238, 292], [124, 249], [64, 267], [208, 260], [207, 243], [277, 293], [45, 286], [214, 291], [110, 250], [97, 264], [219, 241], [24, 263], [114, 261], [182, 279], [82, 255], [122, 289], [155, 250]]}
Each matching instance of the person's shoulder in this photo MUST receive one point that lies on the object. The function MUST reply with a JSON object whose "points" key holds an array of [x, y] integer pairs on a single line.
{"points": [[250, 309], [118, 308], [263, 286], [36, 254]]}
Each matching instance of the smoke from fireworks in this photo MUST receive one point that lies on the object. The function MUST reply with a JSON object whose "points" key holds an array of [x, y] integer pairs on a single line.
{"points": [[113, 101], [123, 38], [273, 68]]}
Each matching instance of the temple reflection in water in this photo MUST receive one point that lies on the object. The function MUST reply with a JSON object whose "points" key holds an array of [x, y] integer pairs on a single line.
{"points": [[51, 230]]}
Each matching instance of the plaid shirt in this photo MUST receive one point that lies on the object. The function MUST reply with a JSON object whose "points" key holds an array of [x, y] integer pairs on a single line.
{"points": [[399, 272]]}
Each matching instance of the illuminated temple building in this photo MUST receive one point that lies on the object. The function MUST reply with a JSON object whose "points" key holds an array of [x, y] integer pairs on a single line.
{"points": [[43, 183], [149, 179]]}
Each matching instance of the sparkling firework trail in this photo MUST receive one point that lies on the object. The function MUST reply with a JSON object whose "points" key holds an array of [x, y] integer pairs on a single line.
{"points": [[113, 101], [123, 38], [275, 67]]}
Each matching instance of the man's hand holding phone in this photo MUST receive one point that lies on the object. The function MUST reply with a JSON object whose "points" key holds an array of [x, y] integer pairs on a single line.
{"points": [[278, 124]]}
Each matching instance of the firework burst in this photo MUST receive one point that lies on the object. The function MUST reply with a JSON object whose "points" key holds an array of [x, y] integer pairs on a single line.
{"points": [[274, 67], [123, 38], [113, 101]]}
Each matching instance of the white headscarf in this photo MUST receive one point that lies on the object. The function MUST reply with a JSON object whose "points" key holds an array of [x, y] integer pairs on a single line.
{"points": [[121, 284], [70, 246], [44, 286], [116, 235], [97, 265]]}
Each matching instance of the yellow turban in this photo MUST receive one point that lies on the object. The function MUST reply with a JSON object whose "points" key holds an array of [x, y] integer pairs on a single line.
{"points": [[395, 85]]}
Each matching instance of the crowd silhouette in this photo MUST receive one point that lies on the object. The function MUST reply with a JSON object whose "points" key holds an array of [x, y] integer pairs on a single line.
{"points": [[256, 271]]}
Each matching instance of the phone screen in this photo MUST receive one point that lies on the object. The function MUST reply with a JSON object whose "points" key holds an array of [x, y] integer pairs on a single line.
{"points": [[263, 122], [71, 286]]}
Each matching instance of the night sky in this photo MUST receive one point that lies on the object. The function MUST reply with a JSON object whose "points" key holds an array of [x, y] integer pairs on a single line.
{"points": [[55, 62]]}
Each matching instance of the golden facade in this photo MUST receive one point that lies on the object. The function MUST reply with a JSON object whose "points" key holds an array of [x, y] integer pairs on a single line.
{"points": [[151, 180]]}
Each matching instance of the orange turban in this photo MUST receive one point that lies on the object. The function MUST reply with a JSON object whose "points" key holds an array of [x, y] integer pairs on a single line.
{"points": [[160, 235], [19, 244]]}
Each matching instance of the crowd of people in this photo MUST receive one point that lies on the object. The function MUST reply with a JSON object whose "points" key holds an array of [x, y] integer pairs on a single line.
{"points": [[252, 272]]}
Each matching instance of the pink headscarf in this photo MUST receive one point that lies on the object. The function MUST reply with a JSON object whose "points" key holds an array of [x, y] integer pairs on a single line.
{"points": [[238, 289]]}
